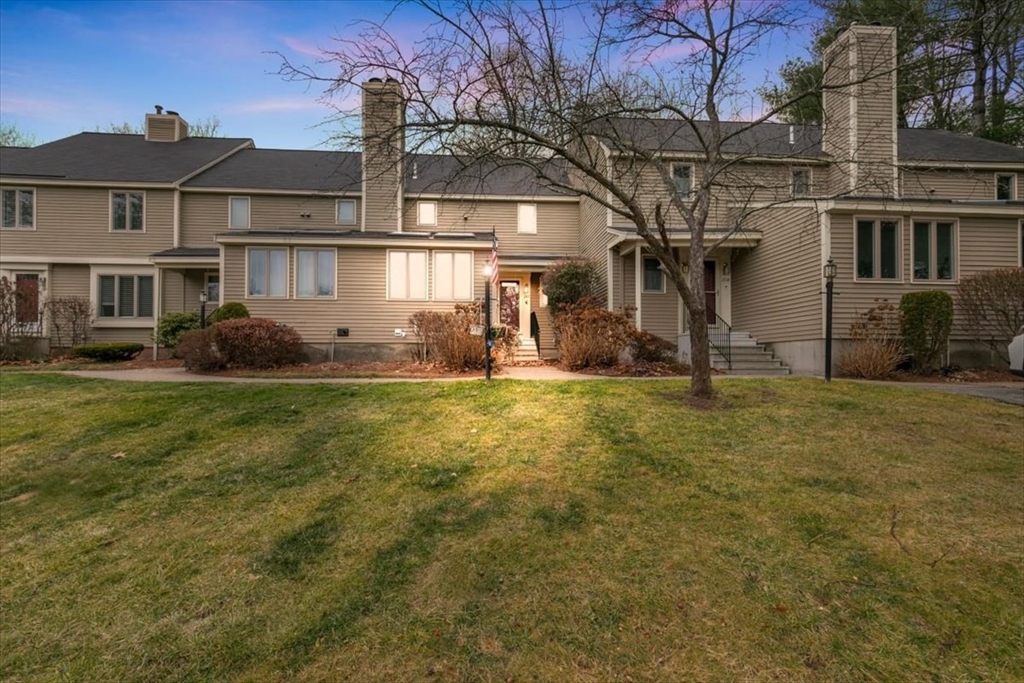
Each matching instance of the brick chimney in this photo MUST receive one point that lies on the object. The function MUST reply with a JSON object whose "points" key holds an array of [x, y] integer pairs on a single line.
{"points": [[383, 151], [169, 127], [859, 106]]}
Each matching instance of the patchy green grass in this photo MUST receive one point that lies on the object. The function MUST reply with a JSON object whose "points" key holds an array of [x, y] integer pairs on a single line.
{"points": [[587, 531]]}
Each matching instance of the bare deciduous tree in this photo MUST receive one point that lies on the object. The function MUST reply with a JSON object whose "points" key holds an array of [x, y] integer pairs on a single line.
{"points": [[602, 116]]}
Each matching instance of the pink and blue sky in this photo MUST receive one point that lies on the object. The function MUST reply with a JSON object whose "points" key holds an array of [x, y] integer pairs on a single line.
{"points": [[70, 66]]}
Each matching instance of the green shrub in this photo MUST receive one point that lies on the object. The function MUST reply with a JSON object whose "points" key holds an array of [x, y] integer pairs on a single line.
{"points": [[171, 327], [256, 343], [568, 282], [198, 351], [111, 352], [232, 310], [925, 327]]}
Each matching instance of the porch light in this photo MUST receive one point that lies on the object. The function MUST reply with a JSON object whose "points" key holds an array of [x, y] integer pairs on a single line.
{"points": [[831, 269], [203, 298], [488, 271]]}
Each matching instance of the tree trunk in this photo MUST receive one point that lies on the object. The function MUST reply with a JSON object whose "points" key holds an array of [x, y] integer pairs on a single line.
{"points": [[978, 57], [700, 348]]}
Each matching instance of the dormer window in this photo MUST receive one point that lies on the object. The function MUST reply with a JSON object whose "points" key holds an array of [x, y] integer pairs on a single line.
{"points": [[682, 179], [1005, 186]]}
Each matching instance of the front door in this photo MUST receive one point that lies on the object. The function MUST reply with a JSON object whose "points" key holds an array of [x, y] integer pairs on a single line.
{"points": [[509, 304], [26, 287], [710, 292]]}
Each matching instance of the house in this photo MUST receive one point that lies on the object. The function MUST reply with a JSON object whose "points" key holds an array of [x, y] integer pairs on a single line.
{"points": [[344, 246]]}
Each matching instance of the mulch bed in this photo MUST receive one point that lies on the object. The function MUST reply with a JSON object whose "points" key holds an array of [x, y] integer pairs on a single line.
{"points": [[398, 369], [985, 375]]}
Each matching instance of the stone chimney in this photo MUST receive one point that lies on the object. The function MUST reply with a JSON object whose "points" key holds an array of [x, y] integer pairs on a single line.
{"points": [[859, 106], [169, 127], [383, 152]]}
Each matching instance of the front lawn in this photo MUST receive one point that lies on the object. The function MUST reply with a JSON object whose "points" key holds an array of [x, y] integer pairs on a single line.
{"points": [[577, 531]]}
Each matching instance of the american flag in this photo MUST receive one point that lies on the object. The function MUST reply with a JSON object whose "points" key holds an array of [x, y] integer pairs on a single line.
{"points": [[494, 260]]}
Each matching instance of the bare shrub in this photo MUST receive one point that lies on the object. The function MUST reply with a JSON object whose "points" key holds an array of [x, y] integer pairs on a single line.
{"points": [[198, 351], [14, 343], [591, 337], [69, 318], [876, 349], [645, 347], [991, 306], [447, 336]]}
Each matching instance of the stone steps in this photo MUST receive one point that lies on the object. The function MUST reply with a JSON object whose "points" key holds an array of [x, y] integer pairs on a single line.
{"points": [[748, 358]]}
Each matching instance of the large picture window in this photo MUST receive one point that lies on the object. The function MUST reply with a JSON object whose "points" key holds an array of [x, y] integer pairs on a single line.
{"points": [[127, 211], [407, 275], [453, 275], [933, 250], [877, 244], [315, 273], [125, 296], [267, 272]]}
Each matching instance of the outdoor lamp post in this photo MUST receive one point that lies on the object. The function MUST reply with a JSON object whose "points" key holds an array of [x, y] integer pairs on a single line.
{"points": [[202, 310], [830, 271], [488, 271]]}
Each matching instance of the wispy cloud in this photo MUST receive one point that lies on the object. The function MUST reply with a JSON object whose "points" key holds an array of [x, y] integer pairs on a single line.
{"points": [[34, 106], [276, 104], [302, 47]]}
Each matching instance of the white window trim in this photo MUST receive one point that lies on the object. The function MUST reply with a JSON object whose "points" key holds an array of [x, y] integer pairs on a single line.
{"points": [[337, 205], [643, 276], [128, 213], [878, 220], [287, 274], [792, 181], [206, 285], [1013, 185], [672, 174], [387, 274], [472, 274], [295, 255], [519, 219], [94, 296], [17, 207], [248, 214], [933, 238], [419, 213]]}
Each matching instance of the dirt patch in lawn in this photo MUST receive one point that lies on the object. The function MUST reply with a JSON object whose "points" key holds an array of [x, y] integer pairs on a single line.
{"points": [[64, 363]]}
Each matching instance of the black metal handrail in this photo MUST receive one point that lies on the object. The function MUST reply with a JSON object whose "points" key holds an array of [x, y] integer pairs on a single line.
{"points": [[720, 338]]}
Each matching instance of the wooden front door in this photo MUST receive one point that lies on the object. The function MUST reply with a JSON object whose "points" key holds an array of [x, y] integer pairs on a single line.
{"points": [[26, 286], [509, 304], [710, 292]]}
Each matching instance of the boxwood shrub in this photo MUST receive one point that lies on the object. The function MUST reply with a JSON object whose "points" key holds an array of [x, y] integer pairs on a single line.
{"points": [[232, 310], [926, 323], [111, 352]]}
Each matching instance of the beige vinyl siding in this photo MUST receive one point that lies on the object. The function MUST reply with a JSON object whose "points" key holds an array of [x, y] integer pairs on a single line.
{"points": [[557, 224], [205, 215], [776, 285], [628, 270], [382, 157], [73, 280], [984, 243], [181, 290], [661, 313], [547, 335], [75, 222], [836, 111], [876, 122], [592, 229], [953, 183], [361, 303]]}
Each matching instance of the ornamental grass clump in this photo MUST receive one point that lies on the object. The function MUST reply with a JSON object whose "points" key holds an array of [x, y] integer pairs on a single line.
{"points": [[876, 349]]}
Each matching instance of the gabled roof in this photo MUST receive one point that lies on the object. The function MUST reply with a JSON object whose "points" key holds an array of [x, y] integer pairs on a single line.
{"points": [[445, 174], [116, 158], [285, 169], [772, 139]]}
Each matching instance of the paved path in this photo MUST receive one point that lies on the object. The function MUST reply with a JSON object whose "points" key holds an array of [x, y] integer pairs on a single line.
{"points": [[1005, 392]]}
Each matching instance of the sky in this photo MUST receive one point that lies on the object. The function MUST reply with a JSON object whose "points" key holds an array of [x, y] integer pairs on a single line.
{"points": [[71, 66]]}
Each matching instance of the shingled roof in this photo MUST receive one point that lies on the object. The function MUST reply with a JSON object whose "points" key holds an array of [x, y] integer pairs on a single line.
{"points": [[116, 158], [773, 139]]}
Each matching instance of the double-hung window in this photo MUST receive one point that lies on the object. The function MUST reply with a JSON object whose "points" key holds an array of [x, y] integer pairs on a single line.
{"points": [[682, 179], [526, 223], [315, 273], [127, 211], [345, 212], [125, 296], [1005, 183], [453, 276], [407, 275], [877, 245], [934, 255], [654, 277], [238, 213], [18, 208], [267, 272], [801, 182], [426, 213]]}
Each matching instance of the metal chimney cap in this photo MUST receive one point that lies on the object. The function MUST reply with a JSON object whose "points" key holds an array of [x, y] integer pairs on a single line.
{"points": [[159, 109]]}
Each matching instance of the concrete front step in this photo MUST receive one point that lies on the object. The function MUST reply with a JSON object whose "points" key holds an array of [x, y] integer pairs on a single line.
{"points": [[748, 358]]}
